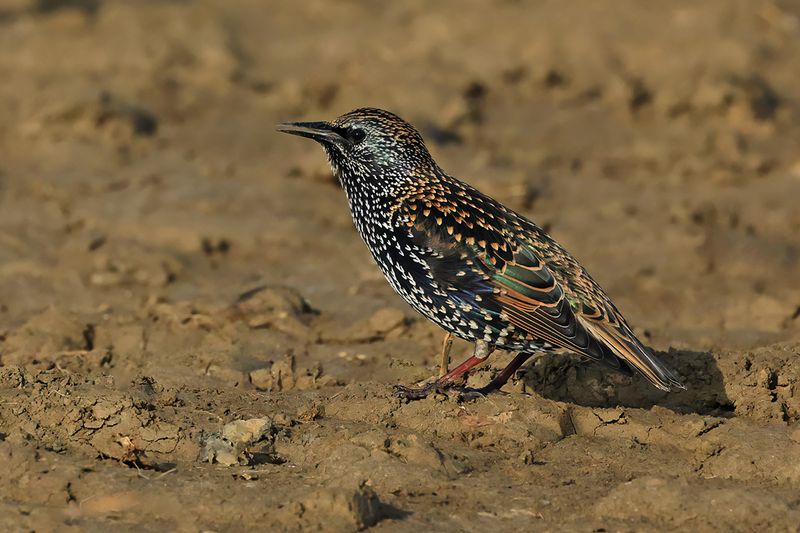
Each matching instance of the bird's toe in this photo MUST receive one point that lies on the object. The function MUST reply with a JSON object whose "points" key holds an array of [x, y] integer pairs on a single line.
{"points": [[413, 393]]}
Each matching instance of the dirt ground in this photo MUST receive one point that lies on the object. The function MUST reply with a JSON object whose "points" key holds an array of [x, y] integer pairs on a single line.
{"points": [[194, 338]]}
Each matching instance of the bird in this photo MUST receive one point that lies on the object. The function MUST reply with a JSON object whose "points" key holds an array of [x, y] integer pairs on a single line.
{"points": [[478, 269]]}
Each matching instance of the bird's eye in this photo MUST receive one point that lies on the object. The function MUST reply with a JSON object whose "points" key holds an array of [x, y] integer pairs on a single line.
{"points": [[357, 135]]}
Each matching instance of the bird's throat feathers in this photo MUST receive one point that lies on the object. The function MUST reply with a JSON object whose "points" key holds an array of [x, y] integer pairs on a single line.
{"points": [[373, 178]]}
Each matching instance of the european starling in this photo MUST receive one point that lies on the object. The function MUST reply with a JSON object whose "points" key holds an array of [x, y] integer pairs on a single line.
{"points": [[465, 261]]}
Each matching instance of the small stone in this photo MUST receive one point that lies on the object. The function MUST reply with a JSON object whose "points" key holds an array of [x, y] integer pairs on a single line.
{"points": [[305, 382], [282, 419], [230, 375], [230, 448], [312, 412], [262, 379], [247, 431], [327, 381], [337, 509], [283, 373], [219, 451]]}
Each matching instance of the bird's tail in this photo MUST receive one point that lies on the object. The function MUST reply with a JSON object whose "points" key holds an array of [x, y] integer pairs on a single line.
{"points": [[623, 344]]}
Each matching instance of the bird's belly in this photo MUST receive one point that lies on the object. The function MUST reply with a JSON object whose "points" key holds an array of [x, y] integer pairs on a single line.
{"points": [[406, 269], [423, 295], [411, 280]]}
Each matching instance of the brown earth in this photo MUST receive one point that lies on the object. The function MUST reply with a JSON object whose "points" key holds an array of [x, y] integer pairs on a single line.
{"points": [[170, 265]]}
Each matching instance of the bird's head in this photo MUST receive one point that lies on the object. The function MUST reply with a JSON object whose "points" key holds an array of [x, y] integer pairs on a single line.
{"points": [[368, 146]]}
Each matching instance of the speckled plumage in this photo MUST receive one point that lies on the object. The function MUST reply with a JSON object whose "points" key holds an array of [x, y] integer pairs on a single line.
{"points": [[471, 265]]}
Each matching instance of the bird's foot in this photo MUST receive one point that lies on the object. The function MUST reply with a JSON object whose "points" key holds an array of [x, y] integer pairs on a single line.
{"points": [[417, 393], [482, 351], [499, 380]]}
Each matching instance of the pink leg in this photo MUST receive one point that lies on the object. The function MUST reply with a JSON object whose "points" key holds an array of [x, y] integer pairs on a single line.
{"points": [[482, 351], [444, 359], [505, 374]]}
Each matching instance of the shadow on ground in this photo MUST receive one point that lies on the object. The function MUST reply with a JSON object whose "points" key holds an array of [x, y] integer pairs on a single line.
{"points": [[570, 380]]}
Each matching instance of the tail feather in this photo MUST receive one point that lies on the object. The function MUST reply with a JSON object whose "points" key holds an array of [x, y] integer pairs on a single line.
{"points": [[623, 344]]}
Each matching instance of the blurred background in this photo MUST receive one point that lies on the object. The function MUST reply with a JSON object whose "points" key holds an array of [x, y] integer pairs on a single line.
{"points": [[153, 222], [658, 144]]}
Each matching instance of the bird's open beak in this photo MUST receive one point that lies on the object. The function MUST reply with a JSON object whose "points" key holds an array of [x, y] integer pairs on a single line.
{"points": [[319, 131]]}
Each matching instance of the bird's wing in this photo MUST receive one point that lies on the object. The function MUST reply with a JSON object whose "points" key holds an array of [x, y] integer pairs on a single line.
{"points": [[502, 265]]}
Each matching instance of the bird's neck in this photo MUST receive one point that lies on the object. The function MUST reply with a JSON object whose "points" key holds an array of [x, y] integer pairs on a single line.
{"points": [[369, 202], [372, 192]]}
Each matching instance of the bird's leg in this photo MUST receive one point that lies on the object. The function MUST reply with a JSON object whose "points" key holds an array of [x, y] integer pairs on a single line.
{"points": [[479, 355], [503, 377], [444, 361]]}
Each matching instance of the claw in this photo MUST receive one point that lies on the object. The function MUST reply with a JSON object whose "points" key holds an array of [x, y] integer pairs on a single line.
{"points": [[414, 393], [475, 394], [469, 395]]}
